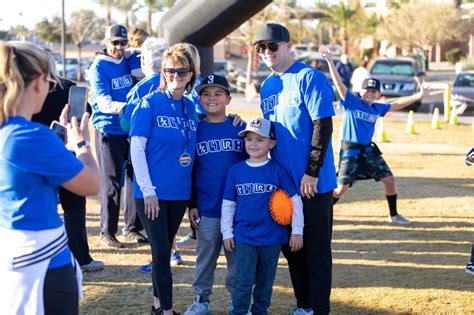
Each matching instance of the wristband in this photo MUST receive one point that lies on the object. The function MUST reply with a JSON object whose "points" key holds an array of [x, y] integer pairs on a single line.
{"points": [[83, 143]]}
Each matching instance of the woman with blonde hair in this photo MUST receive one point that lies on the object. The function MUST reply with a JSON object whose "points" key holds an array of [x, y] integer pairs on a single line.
{"points": [[39, 274], [163, 141]]}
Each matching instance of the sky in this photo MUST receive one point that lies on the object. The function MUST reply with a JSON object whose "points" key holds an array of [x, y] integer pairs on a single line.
{"points": [[30, 12]]}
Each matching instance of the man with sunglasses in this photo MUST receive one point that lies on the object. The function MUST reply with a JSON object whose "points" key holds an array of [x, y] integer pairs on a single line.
{"points": [[110, 81], [298, 99]]}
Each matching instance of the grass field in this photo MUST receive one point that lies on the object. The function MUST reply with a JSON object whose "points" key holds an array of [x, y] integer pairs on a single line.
{"points": [[378, 268]]}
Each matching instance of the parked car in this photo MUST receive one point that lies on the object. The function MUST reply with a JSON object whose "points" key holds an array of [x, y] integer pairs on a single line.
{"points": [[319, 63], [462, 92], [72, 67], [398, 77], [257, 78], [226, 68]]}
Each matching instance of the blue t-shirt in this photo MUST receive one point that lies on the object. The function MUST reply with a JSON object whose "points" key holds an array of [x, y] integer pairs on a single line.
{"points": [[194, 97], [218, 148], [251, 187], [108, 77], [133, 60], [292, 101], [142, 88], [170, 131], [33, 164], [358, 125]]}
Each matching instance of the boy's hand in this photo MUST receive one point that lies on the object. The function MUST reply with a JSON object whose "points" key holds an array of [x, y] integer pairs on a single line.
{"points": [[296, 242], [229, 244], [425, 90], [325, 52], [237, 120], [194, 217]]}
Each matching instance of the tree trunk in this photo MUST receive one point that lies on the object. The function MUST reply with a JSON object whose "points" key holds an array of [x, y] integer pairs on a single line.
{"points": [[148, 22], [126, 21], [79, 63], [375, 50], [344, 40]]}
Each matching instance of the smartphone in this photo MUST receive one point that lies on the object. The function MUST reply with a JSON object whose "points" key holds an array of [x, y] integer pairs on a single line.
{"points": [[77, 102], [59, 130]]}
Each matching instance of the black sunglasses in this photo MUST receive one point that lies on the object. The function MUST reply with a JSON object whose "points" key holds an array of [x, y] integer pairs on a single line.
{"points": [[271, 46], [120, 42], [182, 72]]}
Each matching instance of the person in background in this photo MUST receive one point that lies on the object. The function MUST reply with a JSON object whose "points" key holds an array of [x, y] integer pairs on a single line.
{"points": [[345, 68], [298, 99], [163, 143], [360, 74], [39, 274], [110, 82], [74, 206], [136, 38], [359, 156]]}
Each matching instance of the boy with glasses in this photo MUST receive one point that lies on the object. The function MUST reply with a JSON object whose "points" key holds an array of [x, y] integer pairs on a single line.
{"points": [[110, 81]]}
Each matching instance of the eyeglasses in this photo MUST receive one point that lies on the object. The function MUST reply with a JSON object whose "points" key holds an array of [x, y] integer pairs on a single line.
{"points": [[260, 47], [182, 72], [52, 84], [120, 42]]}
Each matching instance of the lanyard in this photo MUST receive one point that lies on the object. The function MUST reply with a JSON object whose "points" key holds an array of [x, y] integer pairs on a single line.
{"points": [[183, 121]]}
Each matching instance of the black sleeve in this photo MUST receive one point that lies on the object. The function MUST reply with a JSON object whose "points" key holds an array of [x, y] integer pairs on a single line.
{"points": [[322, 133]]}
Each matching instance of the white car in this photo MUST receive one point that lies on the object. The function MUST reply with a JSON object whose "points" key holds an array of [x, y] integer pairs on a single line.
{"points": [[462, 92]]}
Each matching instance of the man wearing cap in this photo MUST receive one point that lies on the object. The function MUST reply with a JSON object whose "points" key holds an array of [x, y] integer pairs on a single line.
{"points": [[110, 81], [360, 158], [298, 99]]}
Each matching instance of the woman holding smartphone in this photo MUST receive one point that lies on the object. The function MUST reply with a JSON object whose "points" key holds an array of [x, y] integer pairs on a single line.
{"points": [[39, 274], [163, 140]]}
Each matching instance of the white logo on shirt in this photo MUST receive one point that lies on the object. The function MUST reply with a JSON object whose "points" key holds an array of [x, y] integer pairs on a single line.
{"points": [[174, 122], [219, 145], [121, 82], [358, 114], [254, 188], [284, 99]]}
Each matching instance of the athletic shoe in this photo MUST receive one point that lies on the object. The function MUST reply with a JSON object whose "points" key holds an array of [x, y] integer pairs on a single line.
{"points": [[94, 265], [198, 307], [187, 242], [231, 308], [146, 269], [135, 237], [470, 268], [301, 311], [398, 219], [110, 240], [175, 258]]}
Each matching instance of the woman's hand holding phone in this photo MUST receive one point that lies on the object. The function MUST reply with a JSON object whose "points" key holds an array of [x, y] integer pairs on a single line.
{"points": [[76, 132]]}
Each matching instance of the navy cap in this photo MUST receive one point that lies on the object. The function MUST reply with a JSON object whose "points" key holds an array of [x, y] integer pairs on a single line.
{"points": [[116, 32], [274, 33], [371, 83], [213, 80]]}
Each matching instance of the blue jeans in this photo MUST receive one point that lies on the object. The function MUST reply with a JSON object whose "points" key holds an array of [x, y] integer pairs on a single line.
{"points": [[255, 269]]}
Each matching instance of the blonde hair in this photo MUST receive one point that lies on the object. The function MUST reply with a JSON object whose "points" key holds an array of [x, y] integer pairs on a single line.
{"points": [[137, 36], [20, 64], [193, 51], [178, 57]]}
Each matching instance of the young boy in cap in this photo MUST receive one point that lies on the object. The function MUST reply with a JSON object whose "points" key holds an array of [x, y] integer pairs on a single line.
{"points": [[246, 224], [359, 156], [218, 147]]}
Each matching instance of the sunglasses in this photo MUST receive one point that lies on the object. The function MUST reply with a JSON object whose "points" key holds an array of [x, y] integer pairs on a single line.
{"points": [[120, 42], [271, 46], [52, 84], [182, 72]]}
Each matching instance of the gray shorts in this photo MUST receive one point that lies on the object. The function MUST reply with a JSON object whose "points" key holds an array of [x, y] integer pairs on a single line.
{"points": [[363, 166]]}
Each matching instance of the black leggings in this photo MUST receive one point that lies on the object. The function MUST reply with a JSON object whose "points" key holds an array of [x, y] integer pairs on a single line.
{"points": [[161, 233], [60, 291]]}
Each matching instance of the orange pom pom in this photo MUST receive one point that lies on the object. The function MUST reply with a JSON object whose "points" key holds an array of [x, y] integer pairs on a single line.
{"points": [[281, 207]]}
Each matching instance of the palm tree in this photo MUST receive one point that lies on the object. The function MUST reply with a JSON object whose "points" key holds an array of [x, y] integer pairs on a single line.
{"points": [[127, 7], [154, 6], [108, 7], [340, 15]]}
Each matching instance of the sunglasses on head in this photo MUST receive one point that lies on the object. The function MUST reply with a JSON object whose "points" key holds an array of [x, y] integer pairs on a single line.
{"points": [[260, 47], [120, 42], [182, 72]]}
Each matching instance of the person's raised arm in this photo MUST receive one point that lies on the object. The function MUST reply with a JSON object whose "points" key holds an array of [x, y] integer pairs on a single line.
{"points": [[405, 101], [336, 78]]}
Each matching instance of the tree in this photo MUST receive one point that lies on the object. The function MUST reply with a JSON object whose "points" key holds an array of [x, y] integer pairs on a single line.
{"points": [[20, 30], [107, 4], [84, 25], [127, 7], [50, 32], [339, 15], [155, 6], [423, 25]]}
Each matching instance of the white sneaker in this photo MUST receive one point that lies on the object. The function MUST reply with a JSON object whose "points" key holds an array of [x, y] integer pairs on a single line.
{"points": [[398, 219], [94, 265], [198, 308], [300, 311]]}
